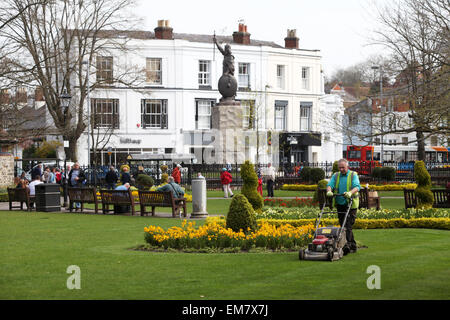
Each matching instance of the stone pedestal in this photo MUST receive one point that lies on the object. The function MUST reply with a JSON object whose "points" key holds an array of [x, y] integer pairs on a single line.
{"points": [[199, 198], [227, 119], [6, 170]]}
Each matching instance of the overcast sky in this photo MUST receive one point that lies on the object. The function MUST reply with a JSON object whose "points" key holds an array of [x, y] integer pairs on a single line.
{"points": [[338, 28]]}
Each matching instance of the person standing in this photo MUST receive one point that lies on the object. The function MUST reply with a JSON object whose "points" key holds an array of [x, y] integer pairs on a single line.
{"points": [[52, 176], [270, 177], [260, 182], [345, 182], [76, 178], [111, 178], [176, 174], [126, 177], [226, 179], [37, 171]]}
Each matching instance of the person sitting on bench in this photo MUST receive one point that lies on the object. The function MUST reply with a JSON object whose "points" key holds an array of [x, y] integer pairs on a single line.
{"points": [[176, 190]]}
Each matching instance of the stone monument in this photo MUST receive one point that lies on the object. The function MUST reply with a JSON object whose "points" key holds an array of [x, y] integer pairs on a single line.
{"points": [[6, 170], [227, 114]]}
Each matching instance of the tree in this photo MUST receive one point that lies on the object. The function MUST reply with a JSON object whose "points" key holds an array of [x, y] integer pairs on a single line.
{"points": [[416, 34], [46, 46]]}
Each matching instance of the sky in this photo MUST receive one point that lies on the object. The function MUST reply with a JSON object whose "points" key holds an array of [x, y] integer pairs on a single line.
{"points": [[340, 29]]}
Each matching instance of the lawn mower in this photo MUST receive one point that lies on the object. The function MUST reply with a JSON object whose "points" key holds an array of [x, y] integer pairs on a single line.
{"points": [[329, 242]]}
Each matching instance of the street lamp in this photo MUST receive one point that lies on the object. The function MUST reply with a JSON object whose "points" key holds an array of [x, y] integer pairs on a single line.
{"points": [[65, 102], [381, 109]]}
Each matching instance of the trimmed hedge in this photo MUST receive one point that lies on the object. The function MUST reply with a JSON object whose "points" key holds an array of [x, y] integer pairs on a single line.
{"points": [[4, 197], [427, 223], [387, 187]]}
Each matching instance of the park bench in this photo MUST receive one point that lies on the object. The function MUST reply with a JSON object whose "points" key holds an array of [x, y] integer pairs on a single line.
{"points": [[441, 198], [21, 195], [161, 199], [116, 198], [82, 195]]}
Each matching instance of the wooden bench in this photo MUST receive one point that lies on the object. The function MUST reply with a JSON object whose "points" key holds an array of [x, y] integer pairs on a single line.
{"points": [[366, 201], [116, 198], [21, 195], [82, 195], [161, 199], [441, 198]]}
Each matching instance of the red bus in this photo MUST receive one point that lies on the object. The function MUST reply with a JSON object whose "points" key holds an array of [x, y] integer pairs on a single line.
{"points": [[361, 159]]}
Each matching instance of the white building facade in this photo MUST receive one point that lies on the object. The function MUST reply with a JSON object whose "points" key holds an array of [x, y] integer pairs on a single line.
{"points": [[280, 89]]}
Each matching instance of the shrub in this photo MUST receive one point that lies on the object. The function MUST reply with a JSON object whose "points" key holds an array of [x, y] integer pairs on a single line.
{"points": [[164, 178], [335, 168], [387, 173], [322, 184], [164, 168], [4, 197], [376, 173], [240, 214], [144, 182], [305, 174], [250, 185], [316, 174], [423, 192]]}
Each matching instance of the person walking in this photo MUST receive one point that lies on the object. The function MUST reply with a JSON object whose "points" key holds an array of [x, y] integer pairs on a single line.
{"points": [[345, 182], [270, 177], [226, 179], [176, 174], [111, 178], [260, 182]]}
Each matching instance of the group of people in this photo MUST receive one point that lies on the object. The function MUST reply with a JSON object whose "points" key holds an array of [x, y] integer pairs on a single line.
{"points": [[269, 175]]}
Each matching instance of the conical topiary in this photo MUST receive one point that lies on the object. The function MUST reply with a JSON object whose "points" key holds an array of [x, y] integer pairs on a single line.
{"points": [[241, 214], [335, 168], [250, 185], [423, 192], [322, 184]]}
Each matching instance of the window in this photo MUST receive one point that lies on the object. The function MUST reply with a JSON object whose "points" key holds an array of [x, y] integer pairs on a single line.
{"points": [[154, 113], [154, 73], [280, 76], [105, 112], [305, 116], [280, 115], [204, 72], [377, 141], [105, 69], [434, 141], [305, 78], [244, 75], [405, 141], [203, 113], [248, 114]]}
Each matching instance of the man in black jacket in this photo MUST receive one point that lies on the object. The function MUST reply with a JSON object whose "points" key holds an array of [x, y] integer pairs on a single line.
{"points": [[111, 178], [126, 177]]}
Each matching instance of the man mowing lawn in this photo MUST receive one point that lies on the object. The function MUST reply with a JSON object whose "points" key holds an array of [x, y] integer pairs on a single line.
{"points": [[345, 182]]}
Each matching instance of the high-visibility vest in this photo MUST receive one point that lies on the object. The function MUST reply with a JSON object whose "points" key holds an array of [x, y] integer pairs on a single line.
{"points": [[350, 174]]}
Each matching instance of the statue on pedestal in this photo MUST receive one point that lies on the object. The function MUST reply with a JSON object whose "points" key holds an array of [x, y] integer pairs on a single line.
{"points": [[227, 82]]}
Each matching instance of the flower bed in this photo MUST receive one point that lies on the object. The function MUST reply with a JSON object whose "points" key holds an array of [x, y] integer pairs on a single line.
{"points": [[289, 203], [214, 235], [310, 213], [384, 187]]}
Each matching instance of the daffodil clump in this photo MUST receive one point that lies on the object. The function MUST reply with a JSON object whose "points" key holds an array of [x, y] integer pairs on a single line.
{"points": [[215, 235]]}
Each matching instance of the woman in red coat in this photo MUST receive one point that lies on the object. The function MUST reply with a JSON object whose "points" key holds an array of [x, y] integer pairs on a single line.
{"points": [[176, 174], [226, 179]]}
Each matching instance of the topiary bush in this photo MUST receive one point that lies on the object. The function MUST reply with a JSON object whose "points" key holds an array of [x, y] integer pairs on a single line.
{"points": [[241, 214], [144, 182], [335, 168], [376, 173], [423, 192], [387, 173], [322, 184], [250, 185], [305, 174], [316, 174], [164, 178]]}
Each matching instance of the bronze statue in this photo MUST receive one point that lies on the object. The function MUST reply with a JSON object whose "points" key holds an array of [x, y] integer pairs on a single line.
{"points": [[228, 58], [227, 82]]}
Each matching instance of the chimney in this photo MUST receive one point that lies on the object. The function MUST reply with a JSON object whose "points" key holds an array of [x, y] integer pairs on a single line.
{"points": [[21, 95], [241, 36], [163, 30], [291, 41]]}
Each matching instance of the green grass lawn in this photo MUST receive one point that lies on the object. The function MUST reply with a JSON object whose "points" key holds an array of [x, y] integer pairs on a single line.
{"points": [[38, 247]]}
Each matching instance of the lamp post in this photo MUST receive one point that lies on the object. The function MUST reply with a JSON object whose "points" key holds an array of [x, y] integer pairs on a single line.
{"points": [[65, 102], [381, 110], [88, 113]]}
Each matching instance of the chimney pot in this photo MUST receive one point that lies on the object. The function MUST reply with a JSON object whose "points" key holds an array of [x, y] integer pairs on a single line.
{"points": [[241, 36], [163, 31], [291, 41]]}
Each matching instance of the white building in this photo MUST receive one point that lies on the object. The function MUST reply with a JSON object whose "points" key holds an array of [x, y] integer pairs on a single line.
{"points": [[331, 127], [180, 75]]}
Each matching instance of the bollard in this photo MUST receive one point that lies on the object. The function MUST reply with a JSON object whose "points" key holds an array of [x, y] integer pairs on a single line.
{"points": [[199, 198]]}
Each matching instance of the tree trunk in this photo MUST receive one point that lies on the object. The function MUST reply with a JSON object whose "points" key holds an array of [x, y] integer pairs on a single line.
{"points": [[420, 145]]}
